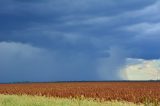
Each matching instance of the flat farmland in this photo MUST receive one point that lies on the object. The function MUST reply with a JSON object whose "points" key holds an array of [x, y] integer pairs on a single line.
{"points": [[135, 92]]}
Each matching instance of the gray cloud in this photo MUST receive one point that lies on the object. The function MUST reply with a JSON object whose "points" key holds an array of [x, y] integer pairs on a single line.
{"points": [[23, 62], [86, 40], [109, 67]]}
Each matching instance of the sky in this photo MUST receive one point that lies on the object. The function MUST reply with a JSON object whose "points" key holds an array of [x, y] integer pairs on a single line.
{"points": [[79, 40]]}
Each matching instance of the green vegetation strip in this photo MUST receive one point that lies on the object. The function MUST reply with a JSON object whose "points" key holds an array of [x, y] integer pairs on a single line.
{"points": [[25, 100]]}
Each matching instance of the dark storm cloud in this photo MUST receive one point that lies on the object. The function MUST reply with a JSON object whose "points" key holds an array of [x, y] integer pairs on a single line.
{"points": [[85, 40], [23, 62]]}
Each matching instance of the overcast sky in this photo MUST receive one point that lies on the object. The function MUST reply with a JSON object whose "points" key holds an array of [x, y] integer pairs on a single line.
{"points": [[70, 40]]}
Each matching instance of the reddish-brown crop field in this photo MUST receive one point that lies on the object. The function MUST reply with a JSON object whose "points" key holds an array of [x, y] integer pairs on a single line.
{"points": [[128, 91]]}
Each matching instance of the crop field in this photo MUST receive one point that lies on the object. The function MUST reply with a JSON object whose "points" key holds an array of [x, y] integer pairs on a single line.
{"points": [[27, 100], [136, 92]]}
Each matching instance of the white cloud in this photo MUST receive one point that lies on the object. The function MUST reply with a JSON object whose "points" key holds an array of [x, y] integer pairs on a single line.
{"points": [[140, 69]]}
